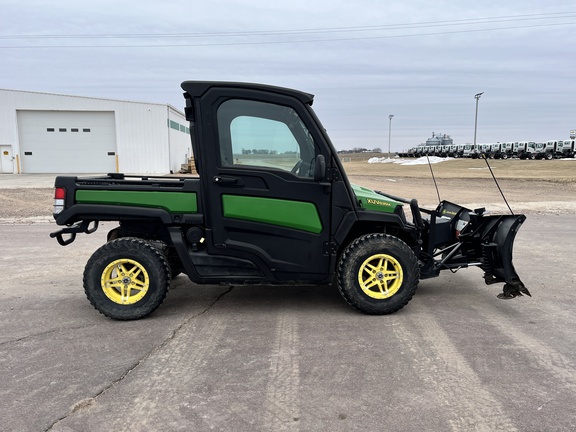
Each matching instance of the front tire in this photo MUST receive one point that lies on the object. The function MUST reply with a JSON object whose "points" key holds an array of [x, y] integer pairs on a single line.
{"points": [[127, 279], [378, 274]]}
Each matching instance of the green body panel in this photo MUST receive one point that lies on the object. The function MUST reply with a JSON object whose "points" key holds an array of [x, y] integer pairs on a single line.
{"points": [[291, 214], [370, 200], [174, 202]]}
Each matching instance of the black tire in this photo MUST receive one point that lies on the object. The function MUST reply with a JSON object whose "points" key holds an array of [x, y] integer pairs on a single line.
{"points": [[130, 264], [382, 254]]}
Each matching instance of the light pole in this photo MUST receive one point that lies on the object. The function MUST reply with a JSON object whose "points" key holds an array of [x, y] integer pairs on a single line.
{"points": [[389, 133], [477, 97]]}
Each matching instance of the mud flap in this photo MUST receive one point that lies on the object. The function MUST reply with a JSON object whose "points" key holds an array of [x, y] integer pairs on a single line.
{"points": [[497, 245]]}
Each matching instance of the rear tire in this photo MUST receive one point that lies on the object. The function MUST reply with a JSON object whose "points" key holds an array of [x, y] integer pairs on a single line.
{"points": [[378, 274], [127, 279]]}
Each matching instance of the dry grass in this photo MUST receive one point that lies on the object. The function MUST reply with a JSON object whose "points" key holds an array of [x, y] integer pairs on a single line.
{"points": [[529, 185], [558, 171]]}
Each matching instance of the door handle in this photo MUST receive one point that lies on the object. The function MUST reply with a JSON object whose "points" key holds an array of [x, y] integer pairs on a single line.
{"points": [[226, 180]]}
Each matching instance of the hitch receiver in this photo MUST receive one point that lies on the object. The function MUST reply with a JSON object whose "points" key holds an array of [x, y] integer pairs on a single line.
{"points": [[79, 227]]}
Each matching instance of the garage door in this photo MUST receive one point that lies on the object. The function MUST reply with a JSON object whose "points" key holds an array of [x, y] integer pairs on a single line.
{"points": [[67, 141]]}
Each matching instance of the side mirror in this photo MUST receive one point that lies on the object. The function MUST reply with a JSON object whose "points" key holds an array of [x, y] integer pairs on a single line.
{"points": [[319, 168]]}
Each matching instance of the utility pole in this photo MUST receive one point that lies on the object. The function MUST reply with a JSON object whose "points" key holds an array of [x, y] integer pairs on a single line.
{"points": [[389, 133], [477, 97]]}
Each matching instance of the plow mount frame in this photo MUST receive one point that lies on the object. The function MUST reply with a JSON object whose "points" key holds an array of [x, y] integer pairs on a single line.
{"points": [[455, 237]]}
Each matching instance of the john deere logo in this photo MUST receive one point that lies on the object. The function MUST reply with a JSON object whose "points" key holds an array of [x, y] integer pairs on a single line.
{"points": [[378, 202]]}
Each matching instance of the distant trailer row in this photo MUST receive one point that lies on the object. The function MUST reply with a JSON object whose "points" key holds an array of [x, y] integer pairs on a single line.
{"points": [[519, 149]]}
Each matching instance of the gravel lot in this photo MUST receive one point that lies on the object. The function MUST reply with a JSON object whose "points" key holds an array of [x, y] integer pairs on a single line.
{"points": [[22, 204]]}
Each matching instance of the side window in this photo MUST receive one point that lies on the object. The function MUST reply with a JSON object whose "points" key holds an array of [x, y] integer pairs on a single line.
{"points": [[258, 134]]}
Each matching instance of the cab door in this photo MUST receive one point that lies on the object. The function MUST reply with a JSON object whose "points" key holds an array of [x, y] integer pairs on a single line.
{"points": [[264, 205]]}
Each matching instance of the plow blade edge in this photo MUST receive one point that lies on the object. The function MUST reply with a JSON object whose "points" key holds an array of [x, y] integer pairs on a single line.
{"points": [[497, 243]]}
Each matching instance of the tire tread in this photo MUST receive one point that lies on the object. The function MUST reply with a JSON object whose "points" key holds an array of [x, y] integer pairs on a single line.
{"points": [[97, 297], [384, 307]]}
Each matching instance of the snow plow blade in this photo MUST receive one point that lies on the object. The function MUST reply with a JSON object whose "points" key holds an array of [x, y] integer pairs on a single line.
{"points": [[456, 237], [497, 245]]}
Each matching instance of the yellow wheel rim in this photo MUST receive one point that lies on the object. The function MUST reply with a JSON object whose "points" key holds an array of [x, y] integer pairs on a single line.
{"points": [[125, 281], [380, 276]]}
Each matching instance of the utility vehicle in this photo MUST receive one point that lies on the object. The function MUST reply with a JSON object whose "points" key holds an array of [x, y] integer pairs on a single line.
{"points": [[271, 205]]}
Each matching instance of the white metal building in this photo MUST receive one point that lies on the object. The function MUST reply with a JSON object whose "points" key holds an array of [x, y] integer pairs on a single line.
{"points": [[52, 133]]}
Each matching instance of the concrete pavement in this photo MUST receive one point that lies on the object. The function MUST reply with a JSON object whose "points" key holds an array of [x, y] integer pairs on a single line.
{"points": [[253, 358]]}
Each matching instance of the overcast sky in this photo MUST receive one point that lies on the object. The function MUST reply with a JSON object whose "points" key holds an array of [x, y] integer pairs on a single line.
{"points": [[419, 60]]}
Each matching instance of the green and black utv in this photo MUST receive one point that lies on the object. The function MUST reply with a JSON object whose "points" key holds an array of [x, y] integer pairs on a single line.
{"points": [[271, 205]]}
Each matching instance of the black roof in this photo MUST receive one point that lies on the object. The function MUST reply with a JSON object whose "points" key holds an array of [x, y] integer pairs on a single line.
{"points": [[198, 88]]}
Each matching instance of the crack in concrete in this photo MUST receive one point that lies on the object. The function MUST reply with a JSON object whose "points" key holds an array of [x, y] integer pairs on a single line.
{"points": [[23, 338], [87, 402]]}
